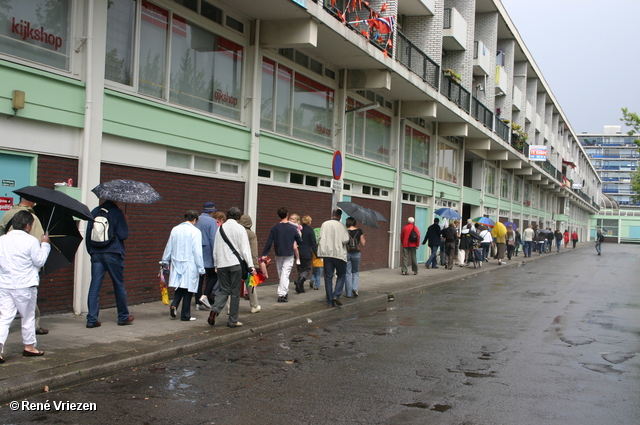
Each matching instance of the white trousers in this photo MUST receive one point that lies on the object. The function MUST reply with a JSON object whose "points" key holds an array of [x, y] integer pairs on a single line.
{"points": [[22, 300], [284, 266]]}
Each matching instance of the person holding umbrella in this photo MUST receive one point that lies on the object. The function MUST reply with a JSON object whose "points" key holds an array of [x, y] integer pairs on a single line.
{"points": [[107, 256], [21, 255]]}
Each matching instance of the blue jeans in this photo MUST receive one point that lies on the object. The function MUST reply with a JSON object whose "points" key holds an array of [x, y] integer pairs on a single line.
{"points": [[316, 278], [558, 243], [340, 268], [598, 247], [100, 264], [528, 248], [485, 250], [433, 258], [353, 272]]}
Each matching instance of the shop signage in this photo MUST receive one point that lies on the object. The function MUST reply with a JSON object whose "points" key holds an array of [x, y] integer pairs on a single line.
{"points": [[6, 203], [25, 31], [537, 153], [8, 183]]}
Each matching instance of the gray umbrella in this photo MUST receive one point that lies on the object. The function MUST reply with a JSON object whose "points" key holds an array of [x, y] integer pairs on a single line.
{"points": [[364, 215], [127, 191]]}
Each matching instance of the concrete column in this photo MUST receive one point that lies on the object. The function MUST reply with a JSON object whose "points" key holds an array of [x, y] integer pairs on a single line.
{"points": [[90, 157]]}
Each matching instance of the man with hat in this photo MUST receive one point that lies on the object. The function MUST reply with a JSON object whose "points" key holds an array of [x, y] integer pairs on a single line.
{"points": [[209, 227]]}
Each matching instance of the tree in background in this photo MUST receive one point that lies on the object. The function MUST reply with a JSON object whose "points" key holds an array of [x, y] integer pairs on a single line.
{"points": [[632, 120]]}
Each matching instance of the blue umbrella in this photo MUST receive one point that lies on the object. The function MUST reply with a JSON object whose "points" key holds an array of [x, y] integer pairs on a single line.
{"points": [[510, 223], [448, 213], [485, 221]]}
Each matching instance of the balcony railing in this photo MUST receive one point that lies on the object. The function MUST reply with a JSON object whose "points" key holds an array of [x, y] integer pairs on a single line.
{"points": [[338, 9], [502, 130], [482, 113], [417, 61], [522, 147], [456, 93]]}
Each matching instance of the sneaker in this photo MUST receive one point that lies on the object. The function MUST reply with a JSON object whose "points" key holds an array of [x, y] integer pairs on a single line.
{"points": [[172, 311], [427, 266], [355, 294], [205, 300], [235, 325], [316, 288], [282, 300], [201, 307], [336, 301], [44, 331], [191, 319], [255, 309]]}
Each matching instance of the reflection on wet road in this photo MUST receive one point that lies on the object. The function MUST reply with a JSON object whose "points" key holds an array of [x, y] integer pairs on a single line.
{"points": [[551, 342]]}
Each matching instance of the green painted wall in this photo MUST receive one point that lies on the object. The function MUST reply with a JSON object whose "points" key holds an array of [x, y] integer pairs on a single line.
{"points": [[140, 119], [451, 191], [364, 171], [302, 157], [48, 97], [472, 196], [490, 201], [415, 183]]}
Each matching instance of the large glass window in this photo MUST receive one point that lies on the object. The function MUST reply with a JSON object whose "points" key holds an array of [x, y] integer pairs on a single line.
{"points": [[517, 184], [36, 30], [447, 162], [490, 179], [505, 183], [299, 106], [416, 150], [153, 46], [368, 133], [121, 19], [205, 70], [202, 70]]}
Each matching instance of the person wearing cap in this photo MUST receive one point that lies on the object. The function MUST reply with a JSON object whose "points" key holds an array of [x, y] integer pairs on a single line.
{"points": [[209, 227]]}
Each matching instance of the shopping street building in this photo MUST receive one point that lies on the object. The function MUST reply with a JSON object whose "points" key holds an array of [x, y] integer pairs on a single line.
{"points": [[615, 157], [431, 104]]}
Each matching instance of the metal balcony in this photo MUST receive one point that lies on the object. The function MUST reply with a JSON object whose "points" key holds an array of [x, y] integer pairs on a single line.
{"points": [[417, 61], [455, 93]]}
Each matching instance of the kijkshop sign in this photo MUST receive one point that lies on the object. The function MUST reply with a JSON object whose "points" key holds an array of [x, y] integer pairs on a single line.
{"points": [[26, 31]]}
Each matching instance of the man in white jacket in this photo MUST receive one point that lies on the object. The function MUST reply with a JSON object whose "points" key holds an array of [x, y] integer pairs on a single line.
{"points": [[184, 252], [230, 247], [332, 248], [21, 255]]}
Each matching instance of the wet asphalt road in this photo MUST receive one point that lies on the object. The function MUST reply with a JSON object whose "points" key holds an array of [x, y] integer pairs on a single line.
{"points": [[552, 342]]}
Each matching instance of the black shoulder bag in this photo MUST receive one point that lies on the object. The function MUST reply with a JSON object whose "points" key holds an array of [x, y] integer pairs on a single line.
{"points": [[244, 267]]}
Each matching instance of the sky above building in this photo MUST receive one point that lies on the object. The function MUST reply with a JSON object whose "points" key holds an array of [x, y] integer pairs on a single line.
{"points": [[588, 52]]}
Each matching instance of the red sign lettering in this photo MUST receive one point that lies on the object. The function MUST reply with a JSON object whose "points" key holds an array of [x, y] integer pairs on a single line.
{"points": [[26, 31]]}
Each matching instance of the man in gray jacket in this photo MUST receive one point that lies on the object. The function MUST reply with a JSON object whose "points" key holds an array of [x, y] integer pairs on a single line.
{"points": [[332, 248]]}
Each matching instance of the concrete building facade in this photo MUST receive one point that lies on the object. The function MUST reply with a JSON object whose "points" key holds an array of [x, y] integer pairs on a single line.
{"points": [[432, 103]]}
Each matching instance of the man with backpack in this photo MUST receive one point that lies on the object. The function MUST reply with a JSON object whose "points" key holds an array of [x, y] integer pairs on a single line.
{"points": [[105, 243], [599, 241], [410, 239]]}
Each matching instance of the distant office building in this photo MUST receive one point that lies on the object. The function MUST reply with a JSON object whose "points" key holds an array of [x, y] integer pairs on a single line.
{"points": [[615, 157]]}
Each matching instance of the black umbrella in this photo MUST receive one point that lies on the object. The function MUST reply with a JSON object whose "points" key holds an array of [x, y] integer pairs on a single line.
{"points": [[127, 191], [63, 235], [364, 215], [55, 198]]}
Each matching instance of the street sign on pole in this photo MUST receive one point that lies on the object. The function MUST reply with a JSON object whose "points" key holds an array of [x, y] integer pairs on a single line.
{"points": [[336, 165], [336, 185]]}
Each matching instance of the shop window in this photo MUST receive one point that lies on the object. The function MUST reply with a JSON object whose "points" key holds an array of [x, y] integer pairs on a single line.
{"points": [[447, 168], [416, 150], [301, 107], [204, 164], [121, 19], [264, 173], [179, 160], [296, 178], [204, 69], [368, 133], [490, 179], [36, 30]]}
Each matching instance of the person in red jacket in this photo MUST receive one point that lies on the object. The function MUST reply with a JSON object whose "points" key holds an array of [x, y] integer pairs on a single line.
{"points": [[574, 238], [410, 239]]}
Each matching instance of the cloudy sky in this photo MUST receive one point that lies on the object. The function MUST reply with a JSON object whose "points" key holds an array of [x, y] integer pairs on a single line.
{"points": [[589, 54]]}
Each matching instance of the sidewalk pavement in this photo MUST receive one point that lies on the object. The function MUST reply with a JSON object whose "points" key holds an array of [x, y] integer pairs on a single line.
{"points": [[74, 353]]}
